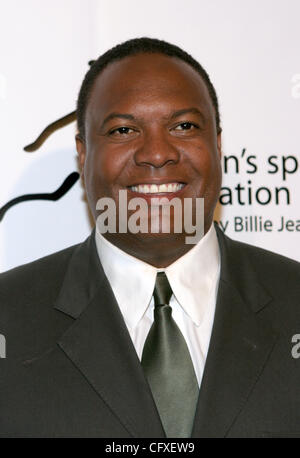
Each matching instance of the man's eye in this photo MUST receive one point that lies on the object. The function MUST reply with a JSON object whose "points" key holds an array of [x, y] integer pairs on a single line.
{"points": [[121, 131], [185, 126]]}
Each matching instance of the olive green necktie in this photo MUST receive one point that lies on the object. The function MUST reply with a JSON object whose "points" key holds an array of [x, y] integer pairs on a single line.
{"points": [[168, 366]]}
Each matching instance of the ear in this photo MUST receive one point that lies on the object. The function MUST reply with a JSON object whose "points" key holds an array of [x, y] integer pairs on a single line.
{"points": [[219, 145], [81, 150]]}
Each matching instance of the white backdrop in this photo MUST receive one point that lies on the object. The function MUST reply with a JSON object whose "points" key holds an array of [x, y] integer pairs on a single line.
{"points": [[251, 50]]}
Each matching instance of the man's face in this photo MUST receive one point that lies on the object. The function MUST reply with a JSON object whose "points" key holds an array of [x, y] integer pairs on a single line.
{"points": [[150, 120]]}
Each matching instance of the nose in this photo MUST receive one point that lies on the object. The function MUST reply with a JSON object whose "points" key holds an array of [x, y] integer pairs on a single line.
{"points": [[156, 150]]}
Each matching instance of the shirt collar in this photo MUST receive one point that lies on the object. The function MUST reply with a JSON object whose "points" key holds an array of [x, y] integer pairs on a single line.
{"points": [[193, 278]]}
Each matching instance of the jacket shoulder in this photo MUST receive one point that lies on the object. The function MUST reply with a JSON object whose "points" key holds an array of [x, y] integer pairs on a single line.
{"points": [[279, 274], [28, 319], [262, 258], [27, 276]]}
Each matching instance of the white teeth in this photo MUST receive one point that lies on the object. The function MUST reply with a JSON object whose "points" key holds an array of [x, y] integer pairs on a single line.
{"points": [[154, 188], [163, 188]]}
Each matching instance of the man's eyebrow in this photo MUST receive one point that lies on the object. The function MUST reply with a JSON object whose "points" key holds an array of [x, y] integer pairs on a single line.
{"points": [[192, 110], [117, 115]]}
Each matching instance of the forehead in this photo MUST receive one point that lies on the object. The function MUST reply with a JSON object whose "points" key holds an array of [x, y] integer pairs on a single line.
{"points": [[147, 80]]}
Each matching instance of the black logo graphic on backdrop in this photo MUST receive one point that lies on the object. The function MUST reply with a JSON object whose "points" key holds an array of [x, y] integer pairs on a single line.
{"points": [[69, 181]]}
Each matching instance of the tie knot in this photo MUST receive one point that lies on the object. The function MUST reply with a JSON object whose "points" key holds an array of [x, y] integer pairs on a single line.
{"points": [[162, 291]]}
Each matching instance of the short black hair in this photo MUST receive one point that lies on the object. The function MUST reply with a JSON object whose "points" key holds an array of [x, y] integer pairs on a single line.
{"points": [[130, 48]]}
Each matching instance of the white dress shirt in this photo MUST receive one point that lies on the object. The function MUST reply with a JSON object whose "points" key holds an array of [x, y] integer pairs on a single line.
{"points": [[194, 279]]}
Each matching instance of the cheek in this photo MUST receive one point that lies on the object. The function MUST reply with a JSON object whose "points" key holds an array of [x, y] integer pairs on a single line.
{"points": [[214, 167], [210, 159], [208, 168], [205, 162], [213, 181], [94, 176], [102, 172], [213, 175]]}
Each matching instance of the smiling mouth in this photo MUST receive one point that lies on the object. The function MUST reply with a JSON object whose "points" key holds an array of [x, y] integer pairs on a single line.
{"points": [[157, 188]]}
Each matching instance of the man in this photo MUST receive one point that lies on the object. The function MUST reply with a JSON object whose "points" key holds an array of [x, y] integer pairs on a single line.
{"points": [[141, 334]]}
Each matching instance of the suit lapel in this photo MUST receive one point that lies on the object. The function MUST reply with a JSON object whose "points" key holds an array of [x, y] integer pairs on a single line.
{"points": [[240, 344], [99, 344]]}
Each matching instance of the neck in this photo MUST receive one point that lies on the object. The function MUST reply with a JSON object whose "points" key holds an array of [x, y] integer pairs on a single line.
{"points": [[158, 250]]}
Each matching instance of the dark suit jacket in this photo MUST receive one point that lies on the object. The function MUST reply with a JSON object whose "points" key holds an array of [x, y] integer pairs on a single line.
{"points": [[71, 369]]}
